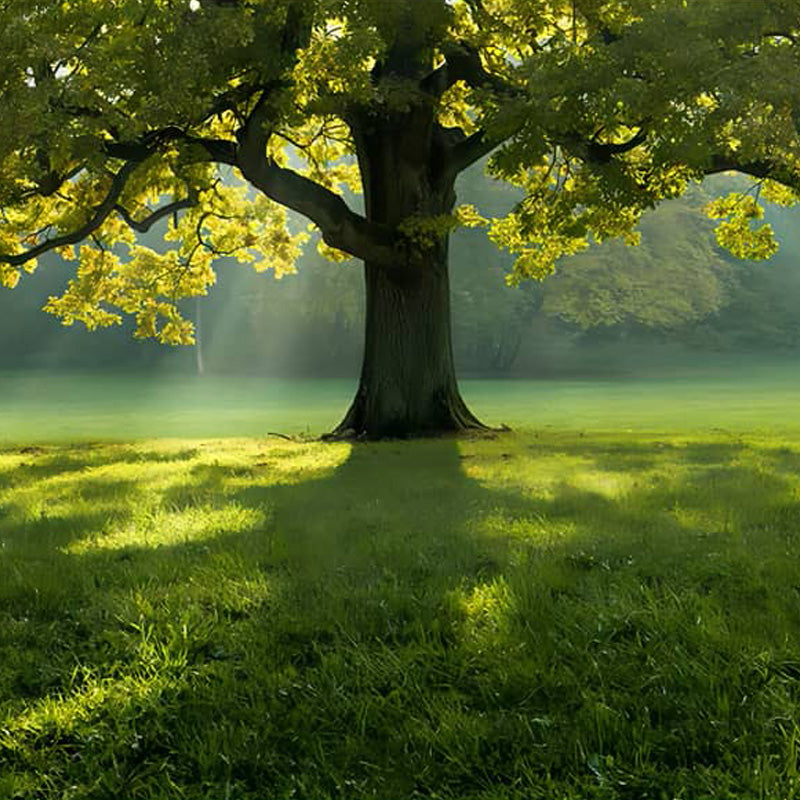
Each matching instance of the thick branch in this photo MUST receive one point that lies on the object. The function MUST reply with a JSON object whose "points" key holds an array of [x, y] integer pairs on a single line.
{"points": [[437, 82], [463, 63], [602, 153], [231, 99], [594, 151], [133, 153], [762, 169], [144, 225], [471, 149], [52, 181], [98, 217], [340, 226], [220, 151]]}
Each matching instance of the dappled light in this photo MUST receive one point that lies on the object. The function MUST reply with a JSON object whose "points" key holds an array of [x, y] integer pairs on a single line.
{"points": [[542, 544], [516, 607]]}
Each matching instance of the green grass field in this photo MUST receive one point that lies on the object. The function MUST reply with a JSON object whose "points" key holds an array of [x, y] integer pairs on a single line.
{"points": [[46, 407], [604, 604]]}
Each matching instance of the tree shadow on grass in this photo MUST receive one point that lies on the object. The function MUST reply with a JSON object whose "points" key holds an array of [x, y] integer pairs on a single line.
{"points": [[413, 619], [625, 452]]}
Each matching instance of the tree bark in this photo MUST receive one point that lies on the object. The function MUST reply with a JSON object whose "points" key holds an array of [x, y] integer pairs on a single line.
{"points": [[408, 383]]}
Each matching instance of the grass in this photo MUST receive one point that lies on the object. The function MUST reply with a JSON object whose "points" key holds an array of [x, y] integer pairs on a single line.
{"points": [[52, 407], [548, 614]]}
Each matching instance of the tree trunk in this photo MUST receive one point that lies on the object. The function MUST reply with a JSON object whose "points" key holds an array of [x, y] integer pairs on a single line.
{"points": [[408, 384]]}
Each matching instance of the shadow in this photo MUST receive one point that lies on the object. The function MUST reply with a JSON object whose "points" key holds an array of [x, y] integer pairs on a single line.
{"points": [[404, 619], [618, 452]]}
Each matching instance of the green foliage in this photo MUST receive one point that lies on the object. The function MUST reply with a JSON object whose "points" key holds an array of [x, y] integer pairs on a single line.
{"points": [[114, 112], [676, 284], [674, 278], [736, 233], [93, 74], [645, 80]]}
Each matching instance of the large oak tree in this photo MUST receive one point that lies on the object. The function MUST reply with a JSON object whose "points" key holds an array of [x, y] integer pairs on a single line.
{"points": [[220, 115]]}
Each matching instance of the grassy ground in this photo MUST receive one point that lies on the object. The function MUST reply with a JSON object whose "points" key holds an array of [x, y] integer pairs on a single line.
{"points": [[539, 615], [52, 407]]}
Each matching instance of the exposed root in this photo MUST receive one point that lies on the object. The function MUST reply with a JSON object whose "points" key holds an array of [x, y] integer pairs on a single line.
{"points": [[475, 430]]}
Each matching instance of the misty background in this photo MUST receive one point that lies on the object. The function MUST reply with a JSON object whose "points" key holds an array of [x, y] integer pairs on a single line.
{"points": [[674, 301]]}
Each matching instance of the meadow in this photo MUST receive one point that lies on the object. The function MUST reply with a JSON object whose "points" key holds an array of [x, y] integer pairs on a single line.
{"points": [[65, 407], [603, 603]]}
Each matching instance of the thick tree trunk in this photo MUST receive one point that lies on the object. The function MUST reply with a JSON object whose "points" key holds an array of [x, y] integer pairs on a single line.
{"points": [[408, 384]]}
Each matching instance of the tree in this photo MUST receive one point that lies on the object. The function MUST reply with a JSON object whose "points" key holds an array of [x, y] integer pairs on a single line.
{"points": [[222, 114], [674, 278]]}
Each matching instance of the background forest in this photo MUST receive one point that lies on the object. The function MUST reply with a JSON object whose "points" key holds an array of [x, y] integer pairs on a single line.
{"points": [[610, 309]]}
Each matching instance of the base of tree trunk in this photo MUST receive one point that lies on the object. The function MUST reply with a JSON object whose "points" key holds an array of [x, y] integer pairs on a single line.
{"points": [[370, 419]]}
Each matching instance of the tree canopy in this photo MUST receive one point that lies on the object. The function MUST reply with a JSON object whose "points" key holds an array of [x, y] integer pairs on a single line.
{"points": [[111, 109], [676, 286]]}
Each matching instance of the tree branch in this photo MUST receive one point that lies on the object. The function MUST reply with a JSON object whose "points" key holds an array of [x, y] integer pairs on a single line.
{"points": [[341, 227], [52, 181], [98, 217], [221, 151], [463, 63], [438, 81], [594, 151], [471, 149], [762, 169], [144, 225], [216, 150], [602, 152], [720, 163]]}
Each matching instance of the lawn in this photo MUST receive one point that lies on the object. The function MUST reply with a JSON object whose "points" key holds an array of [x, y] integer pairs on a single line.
{"points": [[553, 613], [745, 394]]}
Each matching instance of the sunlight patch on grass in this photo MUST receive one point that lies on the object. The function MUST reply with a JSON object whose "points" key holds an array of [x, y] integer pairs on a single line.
{"points": [[510, 467], [154, 494], [64, 714], [705, 521], [167, 528], [290, 463], [487, 608], [539, 467], [606, 484], [530, 531]]}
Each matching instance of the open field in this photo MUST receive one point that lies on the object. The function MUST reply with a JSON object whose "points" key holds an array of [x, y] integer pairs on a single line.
{"points": [[561, 612], [741, 395], [539, 615]]}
